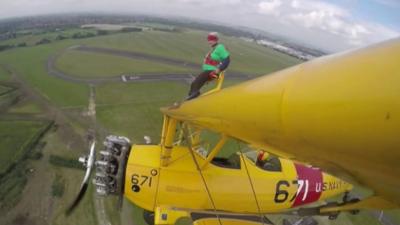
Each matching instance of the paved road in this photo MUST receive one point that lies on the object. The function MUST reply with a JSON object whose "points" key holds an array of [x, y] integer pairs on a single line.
{"points": [[140, 56], [52, 70]]}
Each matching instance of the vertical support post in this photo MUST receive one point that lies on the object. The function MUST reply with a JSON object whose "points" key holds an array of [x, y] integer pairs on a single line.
{"points": [[180, 136], [164, 129], [194, 134], [218, 85], [220, 81], [215, 150], [168, 140]]}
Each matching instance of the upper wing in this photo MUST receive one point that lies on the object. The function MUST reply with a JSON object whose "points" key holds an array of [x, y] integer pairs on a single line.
{"points": [[338, 112]]}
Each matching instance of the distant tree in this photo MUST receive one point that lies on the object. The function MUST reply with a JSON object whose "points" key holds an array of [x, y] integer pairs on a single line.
{"points": [[83, 35], [88, 35], [164, 29], [5, 47], [131, 29], [102, 32], [77, 35], [22, 44], [43, 41], [60, 37]]}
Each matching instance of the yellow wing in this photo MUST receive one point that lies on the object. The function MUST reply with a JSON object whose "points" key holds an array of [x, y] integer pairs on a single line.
{"points": [[340, 111]]}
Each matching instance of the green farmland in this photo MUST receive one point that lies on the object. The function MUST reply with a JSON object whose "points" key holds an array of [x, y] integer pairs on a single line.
{"points": [[29, 107], [4, 75], [16, 138], [18, 141], [4, 89]]}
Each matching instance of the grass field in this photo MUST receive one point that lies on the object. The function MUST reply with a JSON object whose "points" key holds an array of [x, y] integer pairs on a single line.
{"points": [[8, 98], [29, 63], [192, 46], [15, 137], [189, 46], [38, 201], [4, 74], [11, 186], [4, 89], [17, 145], [30, 39], [394, 214], [25, 107], [83, 64], [136, 113]]}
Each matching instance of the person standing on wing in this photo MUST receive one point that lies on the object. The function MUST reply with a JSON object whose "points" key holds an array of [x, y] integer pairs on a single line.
{"points": [[216, 61]]}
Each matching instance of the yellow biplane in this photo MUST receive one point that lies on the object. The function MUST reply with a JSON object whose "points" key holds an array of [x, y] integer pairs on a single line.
{"points": [[340, 113]]}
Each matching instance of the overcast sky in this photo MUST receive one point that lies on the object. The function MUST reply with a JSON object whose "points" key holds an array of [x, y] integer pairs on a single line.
{"points": [[330, 25]]}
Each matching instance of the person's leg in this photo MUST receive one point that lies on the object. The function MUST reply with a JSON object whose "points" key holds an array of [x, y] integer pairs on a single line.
{"points": [[196, 85]]}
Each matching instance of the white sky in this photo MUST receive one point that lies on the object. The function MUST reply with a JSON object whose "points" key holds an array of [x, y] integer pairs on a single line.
{"points": [[320, 24]]}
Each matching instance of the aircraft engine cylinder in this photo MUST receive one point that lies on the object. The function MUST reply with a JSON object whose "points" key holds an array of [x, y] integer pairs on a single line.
{"points": [[110, 168]]}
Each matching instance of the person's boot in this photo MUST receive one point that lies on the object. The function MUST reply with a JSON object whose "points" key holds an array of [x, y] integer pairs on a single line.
{"points": [[193, 95]]}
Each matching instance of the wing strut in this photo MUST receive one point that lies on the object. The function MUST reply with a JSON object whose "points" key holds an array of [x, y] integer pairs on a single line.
{"points": [[251, 182], [167, 139], [186, 134]]}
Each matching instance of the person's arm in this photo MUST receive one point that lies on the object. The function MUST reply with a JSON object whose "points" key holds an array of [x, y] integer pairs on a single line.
{"points": [[224, 64], [224, 55]]}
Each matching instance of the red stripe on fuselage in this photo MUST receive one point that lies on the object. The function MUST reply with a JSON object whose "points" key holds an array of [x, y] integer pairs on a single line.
{"points": [[310, 181]]}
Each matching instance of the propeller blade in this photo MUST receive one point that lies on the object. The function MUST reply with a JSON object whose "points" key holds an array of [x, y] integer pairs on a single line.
{"points": [[77, 199], [121, 179], [88, 162], [120, 201]]}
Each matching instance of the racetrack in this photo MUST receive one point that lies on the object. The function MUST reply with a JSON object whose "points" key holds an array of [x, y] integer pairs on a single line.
{"points": [[53, 71]]}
